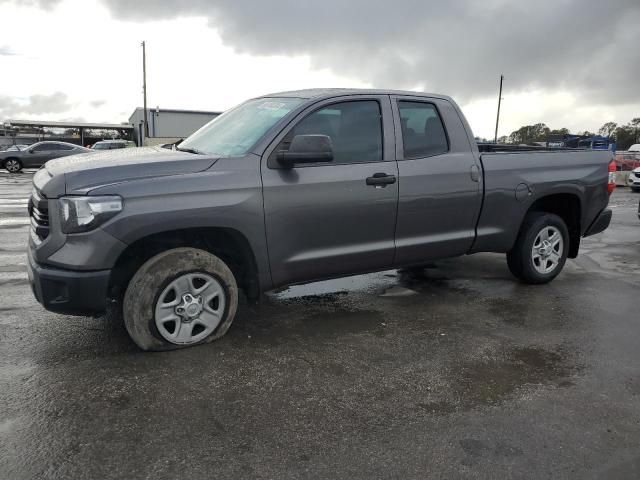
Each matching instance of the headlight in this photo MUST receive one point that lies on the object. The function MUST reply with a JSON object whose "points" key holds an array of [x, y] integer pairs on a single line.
{"points": [[81, 214]]}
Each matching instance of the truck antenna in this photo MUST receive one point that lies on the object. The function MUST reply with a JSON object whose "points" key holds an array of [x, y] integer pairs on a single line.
{"points": [[495, 138], [144, 91]]}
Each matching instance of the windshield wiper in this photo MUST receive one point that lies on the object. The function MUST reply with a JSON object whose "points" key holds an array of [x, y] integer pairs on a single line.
{"points": [[190, 150]]}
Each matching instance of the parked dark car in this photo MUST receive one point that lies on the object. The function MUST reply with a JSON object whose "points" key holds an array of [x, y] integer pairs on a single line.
{"points": [[113, 144], [296, 187], [38, 154]]}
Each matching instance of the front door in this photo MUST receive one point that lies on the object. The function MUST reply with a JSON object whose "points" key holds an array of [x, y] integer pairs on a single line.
{"points": [[440, 190], [36, 156], [326, 219]]}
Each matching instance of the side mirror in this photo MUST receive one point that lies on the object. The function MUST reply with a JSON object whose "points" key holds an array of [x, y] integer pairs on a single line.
{"points": [[307, 149]]}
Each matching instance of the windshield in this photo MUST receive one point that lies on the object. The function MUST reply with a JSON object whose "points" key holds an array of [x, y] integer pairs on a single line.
{"points": [[237, 130]]}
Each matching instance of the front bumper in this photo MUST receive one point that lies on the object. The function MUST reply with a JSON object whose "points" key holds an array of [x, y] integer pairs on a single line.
{"points": [[68, 292], [600, 224]]}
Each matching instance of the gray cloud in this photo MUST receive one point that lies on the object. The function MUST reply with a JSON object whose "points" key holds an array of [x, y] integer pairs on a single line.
{"points": [[10, 107], [458, 47], [6, 51], [47, 4]]}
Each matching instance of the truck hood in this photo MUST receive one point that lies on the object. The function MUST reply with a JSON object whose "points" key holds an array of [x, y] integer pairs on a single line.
{"points": [[87, 171]]}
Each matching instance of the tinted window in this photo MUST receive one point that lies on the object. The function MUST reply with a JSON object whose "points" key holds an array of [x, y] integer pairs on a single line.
{"points": [[66, 147], [355, 129], [423, 134], [53, 147], [42, 148]]}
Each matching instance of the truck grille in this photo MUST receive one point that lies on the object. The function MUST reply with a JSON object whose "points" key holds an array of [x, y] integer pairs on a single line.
{"points": [[39, 213]]}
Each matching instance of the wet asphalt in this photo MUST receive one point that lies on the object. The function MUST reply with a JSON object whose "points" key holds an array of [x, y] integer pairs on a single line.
{"points": [[457, 371]]}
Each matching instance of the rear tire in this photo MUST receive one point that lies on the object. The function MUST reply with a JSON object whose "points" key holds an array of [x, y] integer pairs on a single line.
{"points": [[12, 165], [541, 248], [180, 298]]}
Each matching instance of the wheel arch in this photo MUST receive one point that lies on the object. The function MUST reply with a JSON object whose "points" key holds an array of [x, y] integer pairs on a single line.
{"points": [[228, 244], [568, 206]]}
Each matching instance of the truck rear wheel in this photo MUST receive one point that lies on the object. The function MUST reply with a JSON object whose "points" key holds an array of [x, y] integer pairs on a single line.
{"points": [[179, 298], [541, 248]]}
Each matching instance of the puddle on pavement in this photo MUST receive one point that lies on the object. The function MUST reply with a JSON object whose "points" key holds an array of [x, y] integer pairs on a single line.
{"points": [[342, 322], [320, 316], [489, 381]]}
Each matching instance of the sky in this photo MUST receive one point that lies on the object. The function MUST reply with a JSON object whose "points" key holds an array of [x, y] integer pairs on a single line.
{"points": [[567, 63]]}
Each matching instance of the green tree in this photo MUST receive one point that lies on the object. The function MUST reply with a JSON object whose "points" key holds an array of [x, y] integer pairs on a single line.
{"points": [[608, 129], [635, 123], [624, 137], [530, 133], [559, 131]]}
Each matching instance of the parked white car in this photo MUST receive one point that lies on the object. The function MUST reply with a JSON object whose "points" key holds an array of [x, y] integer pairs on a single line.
{"points": [[634, 180]]}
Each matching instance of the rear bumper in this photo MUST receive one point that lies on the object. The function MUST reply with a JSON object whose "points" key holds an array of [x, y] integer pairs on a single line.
{"points": [[600, 224], [68, 292]]}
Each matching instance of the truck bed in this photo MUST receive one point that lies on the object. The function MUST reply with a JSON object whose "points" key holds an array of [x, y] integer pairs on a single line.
{"points": [[514, 179]]}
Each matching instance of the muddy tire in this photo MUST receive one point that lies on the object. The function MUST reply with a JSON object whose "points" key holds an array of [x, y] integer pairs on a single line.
{"points": [[180, 298], [541, 248]]}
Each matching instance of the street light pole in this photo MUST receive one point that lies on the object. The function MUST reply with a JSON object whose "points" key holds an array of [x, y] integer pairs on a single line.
{"points": [[144, 90], [495, 138]]}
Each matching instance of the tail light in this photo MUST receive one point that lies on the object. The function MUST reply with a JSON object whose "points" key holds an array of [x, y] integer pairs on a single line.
{"points": [[612, 177]]}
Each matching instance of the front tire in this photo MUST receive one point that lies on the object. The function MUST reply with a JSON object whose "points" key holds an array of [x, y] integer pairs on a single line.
{"points": [[541, 248], [180, 298], [13, 165]]}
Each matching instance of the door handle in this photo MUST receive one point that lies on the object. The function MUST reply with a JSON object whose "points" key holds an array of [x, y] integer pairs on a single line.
{"points": [[475, 173], [381, 179]]}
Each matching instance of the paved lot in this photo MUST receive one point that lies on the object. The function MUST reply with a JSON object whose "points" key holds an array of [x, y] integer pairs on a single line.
{"points": [[459, 372]]}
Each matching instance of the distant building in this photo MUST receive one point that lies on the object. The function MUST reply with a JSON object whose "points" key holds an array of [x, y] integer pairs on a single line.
{"points": [[166, 125], [80, 133]]}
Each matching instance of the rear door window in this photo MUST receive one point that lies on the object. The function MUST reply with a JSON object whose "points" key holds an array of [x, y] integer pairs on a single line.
{"points": [[423, 133]]}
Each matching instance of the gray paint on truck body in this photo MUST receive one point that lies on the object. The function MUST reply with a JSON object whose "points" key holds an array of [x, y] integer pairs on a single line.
{"points": [[321, 221]]}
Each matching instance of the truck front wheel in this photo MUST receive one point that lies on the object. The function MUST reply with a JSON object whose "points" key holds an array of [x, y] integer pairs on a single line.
{"points": [[541, 248], [179, 298]]}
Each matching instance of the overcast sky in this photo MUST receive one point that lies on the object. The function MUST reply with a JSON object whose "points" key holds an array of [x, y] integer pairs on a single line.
{"points": [[568, 63]]}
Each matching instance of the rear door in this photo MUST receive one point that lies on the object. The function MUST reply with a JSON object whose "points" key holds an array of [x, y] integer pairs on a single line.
{"points": [[440, 192], [66, 150], [54, 150], [324, 219]]}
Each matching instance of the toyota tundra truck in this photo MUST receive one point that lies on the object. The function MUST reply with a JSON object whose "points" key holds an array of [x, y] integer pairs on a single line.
{"points": [[292, 188]]}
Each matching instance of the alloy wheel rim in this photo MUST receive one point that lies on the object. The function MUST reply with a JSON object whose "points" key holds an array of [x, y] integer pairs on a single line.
{"points": [[12, 165], [190, 308], [547, 250]]}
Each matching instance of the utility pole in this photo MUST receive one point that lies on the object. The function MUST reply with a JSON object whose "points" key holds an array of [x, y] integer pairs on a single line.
{"points": [[495, 138], [144, 91]]}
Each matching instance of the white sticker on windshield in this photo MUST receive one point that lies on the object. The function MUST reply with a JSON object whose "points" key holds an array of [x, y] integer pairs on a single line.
{"points": [[272, 106]]}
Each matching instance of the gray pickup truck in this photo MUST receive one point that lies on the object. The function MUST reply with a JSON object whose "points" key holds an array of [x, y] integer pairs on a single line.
{"points": [[295, 187]]}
